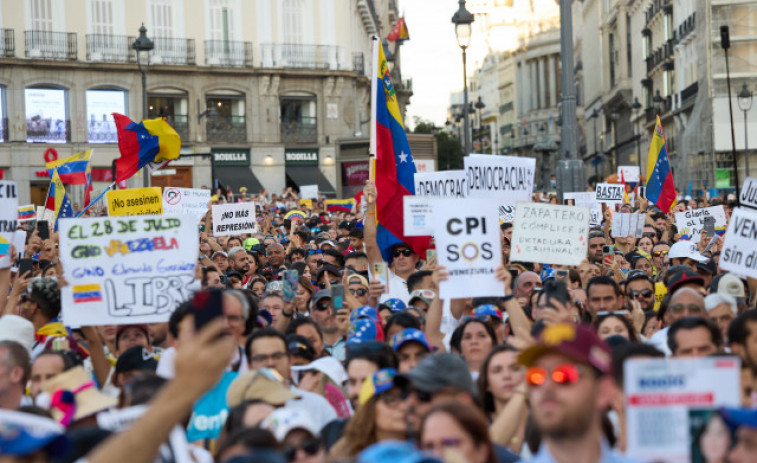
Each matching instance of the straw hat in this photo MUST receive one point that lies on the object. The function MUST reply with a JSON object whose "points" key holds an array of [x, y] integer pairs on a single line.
{"points": [[73, 396]]}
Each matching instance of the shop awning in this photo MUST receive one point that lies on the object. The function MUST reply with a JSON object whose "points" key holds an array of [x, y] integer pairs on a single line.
{"points": [[237, 177], [310, 175]]}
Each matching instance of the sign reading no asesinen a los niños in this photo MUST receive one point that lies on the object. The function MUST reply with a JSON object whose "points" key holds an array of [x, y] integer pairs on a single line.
{"points": [[126, 270]]}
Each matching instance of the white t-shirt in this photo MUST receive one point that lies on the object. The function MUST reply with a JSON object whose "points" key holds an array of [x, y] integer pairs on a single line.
{"points": [[660, 341], [397, 289]]}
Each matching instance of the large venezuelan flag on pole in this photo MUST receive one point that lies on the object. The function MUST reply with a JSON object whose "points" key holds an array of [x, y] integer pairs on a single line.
{"points": [[661, 189], [151, 140], [395, 168]]}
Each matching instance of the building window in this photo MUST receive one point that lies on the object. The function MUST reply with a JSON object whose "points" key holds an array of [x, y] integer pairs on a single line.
{"points": [[629, 57], [172, 108], [668, 26], [161, 15], [102, 17], [221, 20], [3, 117], [41, 15], [226, 121], [46, 115], [298, 120], [292, 10], [101, 104], [611, 43]]}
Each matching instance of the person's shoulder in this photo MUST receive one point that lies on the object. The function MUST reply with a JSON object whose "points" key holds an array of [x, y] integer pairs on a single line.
{"points": [[504, 455]]}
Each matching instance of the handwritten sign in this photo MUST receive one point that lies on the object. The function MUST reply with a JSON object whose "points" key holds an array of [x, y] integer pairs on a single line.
{"points": [[609, 193], [233, 219], [691, 223], [630, 174], [444, 184], [126, 270], [467, 243], [550, 234], [135, 201], [189, 201], [507, 179], [748, 195], [586, 199], [624, 225], [8, 220], [739, 254], [418, 216], [309, 192], [659, 394]]}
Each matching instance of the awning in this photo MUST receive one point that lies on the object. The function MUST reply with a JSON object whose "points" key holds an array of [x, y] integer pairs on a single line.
{"points": [[237, 177], [310, 175]]}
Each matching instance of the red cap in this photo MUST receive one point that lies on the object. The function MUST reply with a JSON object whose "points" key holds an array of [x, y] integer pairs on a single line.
{"points": [[578, 342]]}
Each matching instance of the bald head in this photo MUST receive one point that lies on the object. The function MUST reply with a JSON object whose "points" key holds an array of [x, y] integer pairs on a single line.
{"points": [[275, 253], [686, 302], [525, 284]]}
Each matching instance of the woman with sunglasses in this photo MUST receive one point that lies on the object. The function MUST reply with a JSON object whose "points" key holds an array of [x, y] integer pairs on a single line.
{"points": [[456, 432], [473, 340], [380, 416]]}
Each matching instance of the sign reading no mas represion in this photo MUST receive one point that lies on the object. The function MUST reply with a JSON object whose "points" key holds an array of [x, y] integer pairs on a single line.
{"points": [[233, 219]]}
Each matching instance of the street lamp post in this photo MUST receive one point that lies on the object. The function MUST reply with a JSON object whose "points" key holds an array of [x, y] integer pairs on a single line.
{"points": [[143, 46], [636, 107], [594, 117], [462, 19], [480, 106], [725, 44], [745, 104], [615, 115]]}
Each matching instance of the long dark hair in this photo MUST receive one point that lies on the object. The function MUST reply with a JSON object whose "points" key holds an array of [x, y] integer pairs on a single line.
{"points": [[486, 397], [633, 336], [457, 336], [470, 419]]}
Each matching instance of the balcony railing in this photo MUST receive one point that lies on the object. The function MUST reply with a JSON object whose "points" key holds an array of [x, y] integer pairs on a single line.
{"points": [[50, 45], [173, 51], [39, 130], [226, 53], [291, 55], [110, 48], [358, 63], [226, 128], [7, 43], [304, 130], [689, 94]]}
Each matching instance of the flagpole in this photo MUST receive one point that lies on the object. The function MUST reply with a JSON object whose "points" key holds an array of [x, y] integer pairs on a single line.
{"points": [[95, 200], [374, 89]]}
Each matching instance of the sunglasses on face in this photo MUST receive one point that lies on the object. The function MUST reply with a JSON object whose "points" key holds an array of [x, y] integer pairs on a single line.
{"points": [[642, 293], [391, 398], [649, 234], [309, 446], [358, 292], [321, 306], [679, 308], [403, 252], [322, 285], [314, 251], [422, 396], [562, 374], [659, 253]]}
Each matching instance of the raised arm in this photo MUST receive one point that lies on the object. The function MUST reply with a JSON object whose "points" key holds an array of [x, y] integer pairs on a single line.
{"points": [[369, 224]]}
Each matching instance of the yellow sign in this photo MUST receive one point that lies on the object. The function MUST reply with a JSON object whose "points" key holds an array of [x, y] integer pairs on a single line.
{"points": [[308, 203], [135, 201]]}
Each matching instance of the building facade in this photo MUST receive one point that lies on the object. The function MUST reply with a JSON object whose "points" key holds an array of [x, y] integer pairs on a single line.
{"points": [[264, 88]]}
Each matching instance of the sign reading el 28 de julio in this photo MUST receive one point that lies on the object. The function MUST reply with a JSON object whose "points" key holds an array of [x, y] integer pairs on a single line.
{"points": [[467, 243], [126, 270]]}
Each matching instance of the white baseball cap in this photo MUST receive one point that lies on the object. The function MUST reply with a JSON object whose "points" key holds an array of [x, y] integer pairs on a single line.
{"points": [[19, 329], [683, 249], [285, 420]]}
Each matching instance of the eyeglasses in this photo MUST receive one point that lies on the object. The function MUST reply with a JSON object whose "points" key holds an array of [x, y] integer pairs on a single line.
{"points": [[602, 313], [358, 292], [449, 442], [391, 398], [309, 446], [422, 396], [321, 306], [649, 234], [659, 253], [642, 293], [314, 251], [263, 358], [561, 374], [679, 308], [404, 252]]}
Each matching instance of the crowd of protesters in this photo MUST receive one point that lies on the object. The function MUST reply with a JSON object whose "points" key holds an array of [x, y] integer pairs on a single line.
{"points": [[389, 373]]}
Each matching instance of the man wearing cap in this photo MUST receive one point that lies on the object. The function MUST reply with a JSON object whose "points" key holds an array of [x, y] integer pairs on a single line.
{"points": [[136, 359], [334, 335], [744, 423], [721, 309], [570, 386], [221, 261], [410, 346], [686, 253], [733, 286]]}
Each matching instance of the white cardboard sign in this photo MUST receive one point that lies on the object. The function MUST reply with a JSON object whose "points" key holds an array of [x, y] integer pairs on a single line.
{"points": [[691, 223], [8, 220], [739, 254], [126, 270], [309, 192], [624, 224], [550, 234], [507, 179], [748, 193], [587, 199], [442, 184], [630, 174], [189, 201], [467, 242], [659, 394], [418, 216], [233, 219], [609, 193]]}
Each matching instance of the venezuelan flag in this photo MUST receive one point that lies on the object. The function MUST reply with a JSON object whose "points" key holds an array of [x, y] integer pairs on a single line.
{"points": [[87, 293], [152, 140], [57, 199], [399, 32], [661, 189], [73, 170], [395, 168], [26, 213], [342, 205]]}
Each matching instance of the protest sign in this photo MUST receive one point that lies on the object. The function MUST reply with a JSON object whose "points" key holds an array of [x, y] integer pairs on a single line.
{"points": [[26, 213], [418, 216], [507, 179], [443, 184], [549, 234], [630, 174], [586, 199], [467, 243], [307, 203], [135, 201], [691, 223], [189, 201], [624, 225], [739, 254], [660, 392], [748, 196], [126, 270], [309, 192], [45, 214], [609, 193], [233, 219], [8, 220]]}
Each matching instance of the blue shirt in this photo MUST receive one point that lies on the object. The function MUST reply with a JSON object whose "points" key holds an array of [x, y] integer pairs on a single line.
{"points": [[608, 455], [338, 350]]}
